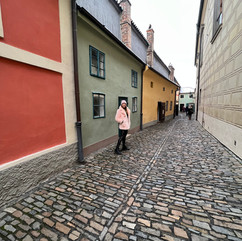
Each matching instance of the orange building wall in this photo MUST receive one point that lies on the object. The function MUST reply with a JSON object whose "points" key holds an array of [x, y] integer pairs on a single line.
{"points": [[31, 110], [33, 26], [151, 96]]}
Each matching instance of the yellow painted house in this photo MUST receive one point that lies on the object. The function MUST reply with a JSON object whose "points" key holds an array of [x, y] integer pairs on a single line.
{"points": [[159, 87]]}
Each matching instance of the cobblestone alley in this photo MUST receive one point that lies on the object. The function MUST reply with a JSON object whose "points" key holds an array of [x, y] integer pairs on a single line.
{"points": [[176, 183]]}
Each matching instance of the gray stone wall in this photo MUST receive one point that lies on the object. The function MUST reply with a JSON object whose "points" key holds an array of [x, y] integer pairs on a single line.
{"points": [[17, 180]]}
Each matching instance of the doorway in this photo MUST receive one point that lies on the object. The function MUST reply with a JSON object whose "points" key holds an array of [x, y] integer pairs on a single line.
{"points": [[161, 111]]}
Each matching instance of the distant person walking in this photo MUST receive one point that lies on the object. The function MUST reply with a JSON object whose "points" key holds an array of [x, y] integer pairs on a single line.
{"points": [[123, 118], [190, 112]]}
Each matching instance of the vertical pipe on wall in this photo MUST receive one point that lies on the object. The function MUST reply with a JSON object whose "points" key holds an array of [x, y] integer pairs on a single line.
{"points": [[141, 102], [76, 81]]}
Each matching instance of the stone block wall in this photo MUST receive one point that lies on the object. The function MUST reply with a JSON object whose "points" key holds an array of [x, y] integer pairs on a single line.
{"points": [[19, 179]]}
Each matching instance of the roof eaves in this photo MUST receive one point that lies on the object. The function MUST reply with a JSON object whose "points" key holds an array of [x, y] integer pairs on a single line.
{"points": [[151, 68], [116, 5], [102, 27]]}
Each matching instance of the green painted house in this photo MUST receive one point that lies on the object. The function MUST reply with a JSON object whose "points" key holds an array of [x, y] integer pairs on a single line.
{"points": [[108, 73], [186, 97]]}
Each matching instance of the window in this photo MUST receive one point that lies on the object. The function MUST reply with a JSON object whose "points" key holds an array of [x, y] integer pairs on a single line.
{"points": [[166, 105], [217, 18], [182, 96], [172, 91], [201, 47], [98, 105], [151, 84], [134, 104], [164, 88], [191, 96], [97, 63], [134, 79], [171, 105]]}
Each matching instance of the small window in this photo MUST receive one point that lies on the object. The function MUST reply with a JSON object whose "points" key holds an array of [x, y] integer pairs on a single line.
{"points": [[134, 79], [171, 105], [172, 91], [151, 84], [191, 96], [182, 96], [98, 105], [134, 104], [164, 88], [217, 18], [166, 105], [97, 63]]}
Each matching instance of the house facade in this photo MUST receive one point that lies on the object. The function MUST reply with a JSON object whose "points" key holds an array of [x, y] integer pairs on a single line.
{"points": [[186, 97], [109, 72], [37, 105], [218, 59]]}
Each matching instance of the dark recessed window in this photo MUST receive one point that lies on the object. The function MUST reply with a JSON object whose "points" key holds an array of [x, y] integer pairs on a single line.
{"points": [[98, 105], [134, 104], [97, 63], [191, 96], [217, 18], [164, 88], [166, 105], [134, 79], [182, 96], [171, 105], [151, 84], [172, 91]]}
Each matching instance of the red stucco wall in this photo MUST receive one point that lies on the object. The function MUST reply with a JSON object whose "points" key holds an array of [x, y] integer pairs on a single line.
{"points": [[31, 110], [33, 26]]}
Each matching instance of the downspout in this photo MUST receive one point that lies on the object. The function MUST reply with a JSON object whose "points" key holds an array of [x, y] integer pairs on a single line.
{"points": [[76, 81], [141, 102]]}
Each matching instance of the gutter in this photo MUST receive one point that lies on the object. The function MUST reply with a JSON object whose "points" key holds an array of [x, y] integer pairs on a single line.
{"points": [[141, 103], [76, 81], [197, 38]]}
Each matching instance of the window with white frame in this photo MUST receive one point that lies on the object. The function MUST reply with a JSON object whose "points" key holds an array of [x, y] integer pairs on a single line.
{"points": [[134, 79]]}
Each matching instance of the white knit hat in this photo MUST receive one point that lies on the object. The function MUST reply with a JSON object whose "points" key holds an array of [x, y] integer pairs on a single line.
{"points": [[123, 102]]}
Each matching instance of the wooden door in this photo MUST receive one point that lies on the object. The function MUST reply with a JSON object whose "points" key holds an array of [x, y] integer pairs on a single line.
{"points": [[161, 111]]}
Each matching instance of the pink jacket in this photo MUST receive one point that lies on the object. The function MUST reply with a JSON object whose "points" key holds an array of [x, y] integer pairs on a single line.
{"points": [[122, 118]]}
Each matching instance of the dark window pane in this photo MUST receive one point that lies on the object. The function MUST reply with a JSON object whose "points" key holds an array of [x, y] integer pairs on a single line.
{"points": [[96, 111], [95, 99]]}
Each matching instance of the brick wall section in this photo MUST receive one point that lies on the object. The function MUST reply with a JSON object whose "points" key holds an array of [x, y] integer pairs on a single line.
{"points": [[17, 180], [126, 23], [150, 50]]}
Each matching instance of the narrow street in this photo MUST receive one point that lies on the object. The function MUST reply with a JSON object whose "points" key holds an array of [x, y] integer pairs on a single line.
{"points": [[176, 182]]}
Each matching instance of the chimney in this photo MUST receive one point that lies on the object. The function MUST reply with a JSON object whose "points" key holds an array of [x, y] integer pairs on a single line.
{"points": [[150, 50], [172, 70], [126, 22]]}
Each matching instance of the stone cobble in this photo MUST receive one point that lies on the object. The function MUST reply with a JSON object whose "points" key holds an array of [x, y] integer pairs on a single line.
{"points": [[176, 183]]}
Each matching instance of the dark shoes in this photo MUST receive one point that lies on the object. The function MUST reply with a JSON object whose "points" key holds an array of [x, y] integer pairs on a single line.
{"points": [[125, 148], [116, 151]]}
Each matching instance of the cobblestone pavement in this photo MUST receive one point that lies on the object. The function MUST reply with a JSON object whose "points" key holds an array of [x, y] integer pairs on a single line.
{"points": [[176, 183]]}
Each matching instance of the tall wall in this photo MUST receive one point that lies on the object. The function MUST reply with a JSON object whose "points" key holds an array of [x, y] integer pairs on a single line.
{"points": [[220, 103], [37, 105]]}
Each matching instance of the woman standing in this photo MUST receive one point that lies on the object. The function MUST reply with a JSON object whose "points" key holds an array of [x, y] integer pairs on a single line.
{"points": [[123, 118]]}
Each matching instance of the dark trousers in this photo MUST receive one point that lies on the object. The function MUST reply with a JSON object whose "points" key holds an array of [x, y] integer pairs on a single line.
{"points": [[122, 138]]}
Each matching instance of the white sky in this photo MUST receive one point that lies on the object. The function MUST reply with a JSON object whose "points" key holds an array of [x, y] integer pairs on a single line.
{"points": [[174, 23]]}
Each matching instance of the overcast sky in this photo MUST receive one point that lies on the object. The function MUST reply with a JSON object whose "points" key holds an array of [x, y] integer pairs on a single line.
{"points": [[174, 23]]}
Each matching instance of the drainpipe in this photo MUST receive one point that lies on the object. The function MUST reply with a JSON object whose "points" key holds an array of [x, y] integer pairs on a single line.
{"points": [[141, 102], [76, 81]]}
